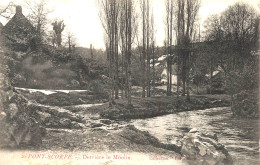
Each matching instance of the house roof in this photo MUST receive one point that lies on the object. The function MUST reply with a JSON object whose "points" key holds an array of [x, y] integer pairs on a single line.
{"points": [[18, 30], [18, 22]]}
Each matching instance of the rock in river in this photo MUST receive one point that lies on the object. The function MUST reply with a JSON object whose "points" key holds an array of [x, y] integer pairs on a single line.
{"points": [[204, 148]]}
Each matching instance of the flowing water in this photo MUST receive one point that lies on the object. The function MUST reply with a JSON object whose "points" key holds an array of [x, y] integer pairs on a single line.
{"points": [[240, 136]]}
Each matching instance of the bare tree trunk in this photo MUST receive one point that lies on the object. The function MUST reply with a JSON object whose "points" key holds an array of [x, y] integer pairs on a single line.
{"points": [[144, 51], [188, 81], [153, 53], [184, 73], [178, 75], [113, 49], [129, 8], [167, 44], [170, 51], [109, 73], [148, 48], [211, 76], [122, 74], [169, 39], [116, 53], [129, 99], [91, 52]]}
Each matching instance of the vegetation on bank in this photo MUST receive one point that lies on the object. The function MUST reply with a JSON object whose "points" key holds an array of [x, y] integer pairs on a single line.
{"points": [[156, 106]]}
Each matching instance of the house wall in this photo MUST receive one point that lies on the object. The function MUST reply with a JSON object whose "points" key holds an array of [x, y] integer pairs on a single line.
{"points": [[164, 77]]}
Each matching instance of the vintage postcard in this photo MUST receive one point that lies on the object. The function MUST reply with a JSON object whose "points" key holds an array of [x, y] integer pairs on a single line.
{"points": [[129, 82]]}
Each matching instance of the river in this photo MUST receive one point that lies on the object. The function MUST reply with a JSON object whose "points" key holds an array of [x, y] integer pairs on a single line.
{"points": [[240, 136]]}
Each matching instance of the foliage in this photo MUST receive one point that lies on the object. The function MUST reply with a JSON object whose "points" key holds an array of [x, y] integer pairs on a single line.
{"points": [[235, 35], [58, 27], [52, 68], [38, 16]]}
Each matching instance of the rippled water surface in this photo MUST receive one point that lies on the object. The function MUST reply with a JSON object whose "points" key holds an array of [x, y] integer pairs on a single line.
{"points": [[240, 136]]}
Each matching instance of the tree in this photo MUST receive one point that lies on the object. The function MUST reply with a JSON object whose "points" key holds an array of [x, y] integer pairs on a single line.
{"points": [[240, 25], [58, 27], [235, 33], [143, 10], [213, 28], [71, 41], [129, 25], [6, 11], [109, 15], [147, 26], [91, 51], [38, 16], [186, 16], [168, 42], [117, 18], [152, 32], [214, 32]]}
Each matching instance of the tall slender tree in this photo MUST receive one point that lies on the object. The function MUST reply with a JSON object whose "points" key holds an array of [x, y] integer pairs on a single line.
{"points": [[129, 16], [143, 67], [109, 11], [117, 19], [169, 4], [147, 16], [186, 16]]}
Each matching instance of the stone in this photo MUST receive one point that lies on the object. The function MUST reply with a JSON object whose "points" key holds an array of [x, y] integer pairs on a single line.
{"points": [[211, 135], [106, 121], [193, 130], [95, 125], [20, 134], [2, 115], [74, 83], [65, 123], [94, 117], [76, 125], [34, 136], [205, 148], [43, 115], [18, 122], [12, 110], [52, 122]]}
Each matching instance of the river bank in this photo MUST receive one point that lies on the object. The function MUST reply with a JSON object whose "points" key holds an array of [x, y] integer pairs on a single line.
{"points": [[77, 101], [157, 106], [94, 133]]}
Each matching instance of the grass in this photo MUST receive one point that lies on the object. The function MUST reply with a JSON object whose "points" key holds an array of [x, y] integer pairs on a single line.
{"points": [[161, 105]]}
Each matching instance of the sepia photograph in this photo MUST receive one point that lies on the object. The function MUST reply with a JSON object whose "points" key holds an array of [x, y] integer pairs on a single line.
{"points": [[129, 82]]}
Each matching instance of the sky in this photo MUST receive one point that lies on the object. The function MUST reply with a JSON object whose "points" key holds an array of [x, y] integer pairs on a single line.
{"points": [[82, 19]]}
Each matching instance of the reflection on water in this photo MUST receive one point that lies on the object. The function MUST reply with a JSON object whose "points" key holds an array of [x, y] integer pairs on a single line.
{"points": [[240, 136]]}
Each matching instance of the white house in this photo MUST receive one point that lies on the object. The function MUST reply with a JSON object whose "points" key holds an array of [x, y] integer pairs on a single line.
{"points": [[174, 75]]}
